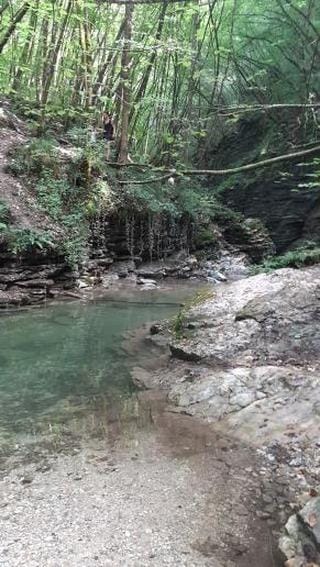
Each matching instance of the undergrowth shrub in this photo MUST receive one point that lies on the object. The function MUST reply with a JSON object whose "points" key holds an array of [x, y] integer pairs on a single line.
{"points": [[52, 195], [4, 214], [306, 255], [62, 189], [34, 158], [63, 204], [178, 323], [77, 229], [20, 241]]}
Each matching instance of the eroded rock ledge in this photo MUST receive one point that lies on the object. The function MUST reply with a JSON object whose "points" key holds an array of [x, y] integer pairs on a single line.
{"points": [[248, 361]]}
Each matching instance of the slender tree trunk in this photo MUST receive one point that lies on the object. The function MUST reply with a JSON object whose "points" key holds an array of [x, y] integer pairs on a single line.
{"points": [[16, 20], [108, 63], [145, 79], [3, 8], [28, 47], [125, 85], [51, 64]]}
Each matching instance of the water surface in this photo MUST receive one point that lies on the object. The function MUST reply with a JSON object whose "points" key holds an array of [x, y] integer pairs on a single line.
{"points": [[64, 371]]}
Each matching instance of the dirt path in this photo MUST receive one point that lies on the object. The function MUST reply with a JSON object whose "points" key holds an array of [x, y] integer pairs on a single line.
{"points": [[173, 493]]}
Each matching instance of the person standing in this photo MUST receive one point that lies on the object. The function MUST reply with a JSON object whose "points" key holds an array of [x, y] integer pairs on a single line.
{"points": [[108, 132]]}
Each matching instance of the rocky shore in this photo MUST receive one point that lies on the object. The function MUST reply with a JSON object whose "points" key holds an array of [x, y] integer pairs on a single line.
{"points": [[247, 361], [32, 282]]}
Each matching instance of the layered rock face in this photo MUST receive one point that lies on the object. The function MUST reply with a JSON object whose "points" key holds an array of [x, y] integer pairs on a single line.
{"points": [[142, 235], [289, 212], [277, 195], [30, 283]]}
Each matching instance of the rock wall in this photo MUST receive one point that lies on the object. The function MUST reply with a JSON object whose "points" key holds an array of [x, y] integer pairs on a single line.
{"points": [[288, 212], [127, 235], [32, 278], [275, 195]]}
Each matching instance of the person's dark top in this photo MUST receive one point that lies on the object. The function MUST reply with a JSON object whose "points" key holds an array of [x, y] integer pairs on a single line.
{"points": [[108, 131]]}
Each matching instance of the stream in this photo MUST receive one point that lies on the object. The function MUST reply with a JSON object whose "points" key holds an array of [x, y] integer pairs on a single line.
{"points": [[96, 474], [64, 365]]}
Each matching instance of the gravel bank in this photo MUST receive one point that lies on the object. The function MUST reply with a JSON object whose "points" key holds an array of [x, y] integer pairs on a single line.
{"points": [[174, 494]]}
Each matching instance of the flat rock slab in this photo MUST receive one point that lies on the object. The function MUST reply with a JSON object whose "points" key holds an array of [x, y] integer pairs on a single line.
{"points": [[265, 319], [249, 359]]}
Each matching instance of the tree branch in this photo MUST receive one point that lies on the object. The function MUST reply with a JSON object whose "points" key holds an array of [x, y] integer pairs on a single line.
{"points": [[256, 165], [146, 181], [16, 20], [230, 171], [229, 111], [134, 2]]}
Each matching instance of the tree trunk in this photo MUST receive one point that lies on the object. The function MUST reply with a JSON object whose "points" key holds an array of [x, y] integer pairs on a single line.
{"points": [[108, 63], [4, 6], [51, 64], [145, 79], [125, 85], [28, 47], [16, 20]]}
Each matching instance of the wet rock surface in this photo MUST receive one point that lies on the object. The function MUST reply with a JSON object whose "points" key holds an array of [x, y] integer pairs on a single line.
{"points": [[261, 320], [23, 283], [226, 265], [247, 361], [301, 543]]}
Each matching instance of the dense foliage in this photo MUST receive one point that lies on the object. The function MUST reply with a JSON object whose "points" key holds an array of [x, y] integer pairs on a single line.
{"points": [[171, 67], [178, 78]]}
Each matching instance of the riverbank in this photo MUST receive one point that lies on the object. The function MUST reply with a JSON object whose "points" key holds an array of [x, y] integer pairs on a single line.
{"points": [[172, 493], [160, 478], [247, 361], [94, 473]]}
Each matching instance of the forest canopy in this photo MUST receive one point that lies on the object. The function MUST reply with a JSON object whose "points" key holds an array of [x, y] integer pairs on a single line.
{"points": [[175, 75]]}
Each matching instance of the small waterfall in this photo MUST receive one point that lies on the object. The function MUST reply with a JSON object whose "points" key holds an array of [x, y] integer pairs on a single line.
{"points": [[157, 230], [150, 237], [141, 241], [192, 232], [173, 233], [99, 239], [184, 233], [130, 234], [102, 230]]}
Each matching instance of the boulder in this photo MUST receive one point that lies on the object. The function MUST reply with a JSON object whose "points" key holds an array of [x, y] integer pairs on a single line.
{"points": [[153, 271], [123, 269], [10, 120], [300, 543], [310, 517]]}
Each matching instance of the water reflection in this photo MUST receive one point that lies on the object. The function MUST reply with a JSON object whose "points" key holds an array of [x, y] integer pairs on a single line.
{"points": [[65, 375]]}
